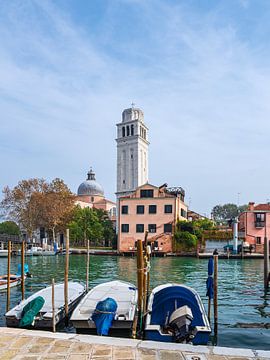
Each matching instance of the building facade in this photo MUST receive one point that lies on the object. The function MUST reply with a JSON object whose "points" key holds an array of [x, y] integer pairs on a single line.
{"points": [[254, 225], [151, 208], [132, 152]]}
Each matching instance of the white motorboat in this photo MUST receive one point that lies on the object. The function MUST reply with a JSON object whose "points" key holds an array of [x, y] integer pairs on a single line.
{"points": [[3, 253], [44, 317], [14, 280], [124, 294]]}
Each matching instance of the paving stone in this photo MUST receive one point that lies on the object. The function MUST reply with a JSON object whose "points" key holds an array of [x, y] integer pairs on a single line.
{"points": [[233, 352], [21, 341], [147, 354], [101, 351], [37, 349], [80, 348], [124, 353], [263, 354], [54, 357], [63, 343], [170, 355], [216, 357], [9, 354], [47, 341], [78, 357], [27, 357]]}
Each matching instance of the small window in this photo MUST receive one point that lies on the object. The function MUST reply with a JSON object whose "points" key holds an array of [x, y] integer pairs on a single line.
{"points": [[140, 209], [124, 209], [92, 198], [152, 209], [123, 132], [147, 193], [168, 209], [132, 130], [258, 240], [167, 228], [139, 228], [152, 228], [127, 130], [125, 228], [183, 213]]}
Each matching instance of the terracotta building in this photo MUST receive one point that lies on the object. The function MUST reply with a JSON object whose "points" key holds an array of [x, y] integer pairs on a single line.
{"points": [[254, 225], [151, 208], [91, 194]]}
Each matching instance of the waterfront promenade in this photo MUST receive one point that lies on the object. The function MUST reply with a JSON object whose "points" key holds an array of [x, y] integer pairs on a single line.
{"points": [[20, 344]]}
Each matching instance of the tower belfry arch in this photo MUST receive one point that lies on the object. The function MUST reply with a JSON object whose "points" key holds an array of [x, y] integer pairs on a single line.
{"points": [[132, 151]]}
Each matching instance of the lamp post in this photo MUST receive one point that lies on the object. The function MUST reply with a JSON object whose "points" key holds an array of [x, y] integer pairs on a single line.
{"points": [[235, 235]]}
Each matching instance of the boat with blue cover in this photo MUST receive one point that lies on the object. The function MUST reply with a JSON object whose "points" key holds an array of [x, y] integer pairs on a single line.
{"points": [[107, 309], [175, 313]]}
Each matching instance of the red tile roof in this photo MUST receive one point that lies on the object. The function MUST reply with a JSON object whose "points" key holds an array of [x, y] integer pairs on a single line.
{"points": [[262, 207]]}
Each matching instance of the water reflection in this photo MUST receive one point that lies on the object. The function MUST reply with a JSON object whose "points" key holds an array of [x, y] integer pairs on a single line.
{"points": [[240, 292]]}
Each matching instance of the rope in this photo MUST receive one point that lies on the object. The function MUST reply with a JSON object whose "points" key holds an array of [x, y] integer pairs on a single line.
{"points": [[104, 312]]}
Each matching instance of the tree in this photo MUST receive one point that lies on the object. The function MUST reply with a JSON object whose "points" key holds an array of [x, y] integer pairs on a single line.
{"points": [[185, 239], [22, 204], [85, 225], [223, 213], [9, 228], [108, 230], [57, 206]]}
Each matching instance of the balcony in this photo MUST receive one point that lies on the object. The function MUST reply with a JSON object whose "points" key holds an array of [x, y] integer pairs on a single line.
{"points": [[259, 224]]}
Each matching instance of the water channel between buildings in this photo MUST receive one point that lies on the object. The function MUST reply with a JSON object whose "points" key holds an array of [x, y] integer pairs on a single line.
{"points": [[244, 310]]}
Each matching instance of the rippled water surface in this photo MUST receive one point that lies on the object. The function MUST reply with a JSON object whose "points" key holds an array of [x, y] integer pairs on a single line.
{"points": [[244, 309]]}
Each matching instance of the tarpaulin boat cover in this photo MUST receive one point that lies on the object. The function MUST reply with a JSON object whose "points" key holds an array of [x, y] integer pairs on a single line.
{"points": [[26, 269], [31, 310], [104, 314]]}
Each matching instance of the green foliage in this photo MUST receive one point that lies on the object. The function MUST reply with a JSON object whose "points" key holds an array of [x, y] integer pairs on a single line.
{"points": [[223, 213], [188, 233], [91, 224], [9, 228]]}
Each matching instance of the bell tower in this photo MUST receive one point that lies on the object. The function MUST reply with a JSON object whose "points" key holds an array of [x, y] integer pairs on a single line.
{"points": [[132, 151]]}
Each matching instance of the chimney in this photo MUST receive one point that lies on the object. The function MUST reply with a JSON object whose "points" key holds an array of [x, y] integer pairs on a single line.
{"points": [[251, 206]]}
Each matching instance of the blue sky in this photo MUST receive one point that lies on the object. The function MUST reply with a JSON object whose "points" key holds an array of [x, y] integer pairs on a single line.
{"points": [[200, 71]]}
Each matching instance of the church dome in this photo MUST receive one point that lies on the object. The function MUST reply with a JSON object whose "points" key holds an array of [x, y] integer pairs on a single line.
{"points": [[90, 186]]}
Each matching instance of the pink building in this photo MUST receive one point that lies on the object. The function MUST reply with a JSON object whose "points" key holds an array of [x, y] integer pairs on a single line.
{"points": [[151, 208], [254, 225]]}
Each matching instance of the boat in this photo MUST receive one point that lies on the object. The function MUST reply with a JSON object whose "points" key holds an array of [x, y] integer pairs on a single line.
{"points": [[108, 308], [37, 251], [175, 313], [3, 253], [42, 316], [15, 279]]}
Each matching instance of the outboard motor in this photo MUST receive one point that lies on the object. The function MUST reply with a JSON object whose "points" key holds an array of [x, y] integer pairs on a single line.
{"points": [[180, 321]]}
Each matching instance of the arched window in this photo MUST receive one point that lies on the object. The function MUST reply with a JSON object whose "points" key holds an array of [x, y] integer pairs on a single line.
{"points": [[127, 130], [132, 130], [123, 132]]}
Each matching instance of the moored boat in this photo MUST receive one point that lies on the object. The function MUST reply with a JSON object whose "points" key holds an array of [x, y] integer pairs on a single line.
{"points": [[3, 253], [175, 313], [107, 308], [14, 281], [42, 316]]}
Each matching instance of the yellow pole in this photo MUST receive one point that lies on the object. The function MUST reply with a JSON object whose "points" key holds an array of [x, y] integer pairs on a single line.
{"points": [[87, 267], [8, 275], [22, 269], [53, 307], [66, 273]]}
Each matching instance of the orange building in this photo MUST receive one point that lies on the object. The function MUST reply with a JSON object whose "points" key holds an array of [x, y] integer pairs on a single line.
{"points": [[151, 208]]}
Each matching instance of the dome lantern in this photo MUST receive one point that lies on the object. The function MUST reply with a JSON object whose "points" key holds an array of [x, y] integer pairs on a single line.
{"points": [[90, 186]]}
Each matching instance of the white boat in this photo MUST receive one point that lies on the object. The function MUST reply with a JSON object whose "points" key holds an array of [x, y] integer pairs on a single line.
{"points": [[3, 253], [125, 295], [14, 281], [37, 251], [44, 318]]}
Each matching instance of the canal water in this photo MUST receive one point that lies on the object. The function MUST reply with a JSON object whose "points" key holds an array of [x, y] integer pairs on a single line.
{"points": [[244, 309]]}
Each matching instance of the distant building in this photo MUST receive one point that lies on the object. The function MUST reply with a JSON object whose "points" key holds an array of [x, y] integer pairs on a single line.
{"points": [[254, 225], [151, 208], [193, 216], [91, 194]]}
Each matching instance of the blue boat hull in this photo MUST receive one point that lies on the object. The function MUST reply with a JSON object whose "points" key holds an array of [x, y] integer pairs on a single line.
{"points": [[163, 301]]}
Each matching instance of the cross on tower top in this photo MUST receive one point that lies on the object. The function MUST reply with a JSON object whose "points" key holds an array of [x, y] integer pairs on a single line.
{"points": [[132, 105]]}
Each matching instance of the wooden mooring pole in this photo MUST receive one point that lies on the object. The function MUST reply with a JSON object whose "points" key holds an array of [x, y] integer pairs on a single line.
{"points": [[22, 268], [140, 278], [53, 307], [66, 275], [8, 275], [215, 293], [266, 257], [87, 267]]}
